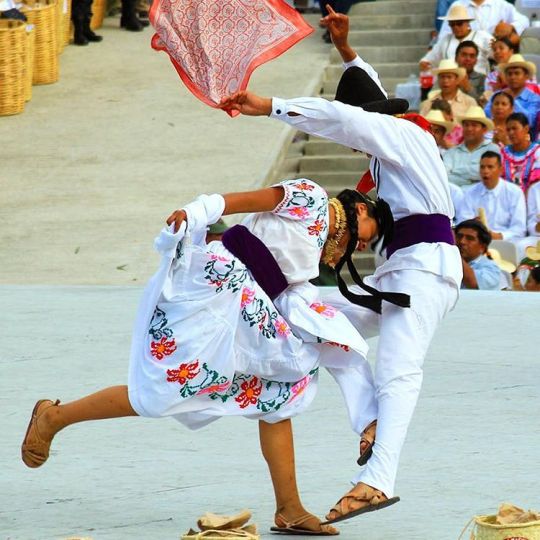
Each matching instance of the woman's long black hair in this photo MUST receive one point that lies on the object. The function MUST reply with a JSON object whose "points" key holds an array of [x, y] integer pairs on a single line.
{"points": [[380, 211]]}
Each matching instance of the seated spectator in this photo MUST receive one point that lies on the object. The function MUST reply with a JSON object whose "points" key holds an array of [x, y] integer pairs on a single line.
{"points": [[439, 128], [479, 272], [463, 161], [501, 51], [466, 56], [517, 71], [488, 15], [533, 219], [502, 106], [449, 75], [520, 158], [533, 281], [455, 135], [446, 47], [502, 201]]}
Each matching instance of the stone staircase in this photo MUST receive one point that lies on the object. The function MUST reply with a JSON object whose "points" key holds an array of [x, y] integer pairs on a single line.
{"points": [[392, 35]]}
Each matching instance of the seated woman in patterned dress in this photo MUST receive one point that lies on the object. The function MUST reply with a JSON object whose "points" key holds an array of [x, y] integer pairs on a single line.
{"points": [[235, 327]]}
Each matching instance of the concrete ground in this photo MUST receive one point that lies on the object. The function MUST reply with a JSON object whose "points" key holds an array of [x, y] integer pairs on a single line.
{"points": [[88, 174]]}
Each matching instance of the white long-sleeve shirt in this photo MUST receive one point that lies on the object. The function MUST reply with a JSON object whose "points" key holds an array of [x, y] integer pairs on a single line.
{"points": [[504, 206], [446, 48], [406, 167], [533, 209], [488, 14]]}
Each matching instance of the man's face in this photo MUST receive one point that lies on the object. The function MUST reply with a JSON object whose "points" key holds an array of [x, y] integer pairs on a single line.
{"points": [[468, 244], [460, 29], [438, 133], [516, 78], [448, 81], [466, 58], [473, 132], [490, 171]]}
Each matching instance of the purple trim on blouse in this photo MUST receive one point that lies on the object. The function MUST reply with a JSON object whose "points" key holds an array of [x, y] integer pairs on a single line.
{"points": [[258, 260], [419, 228]]}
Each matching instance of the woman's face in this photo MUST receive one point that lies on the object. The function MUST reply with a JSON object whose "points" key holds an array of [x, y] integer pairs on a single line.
{"points": [[501, 52], [501, 107], [367, 227], [517, 132]]}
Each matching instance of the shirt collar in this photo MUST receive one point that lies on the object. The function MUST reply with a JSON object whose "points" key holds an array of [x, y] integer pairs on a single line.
{"points": [[495, 190]]}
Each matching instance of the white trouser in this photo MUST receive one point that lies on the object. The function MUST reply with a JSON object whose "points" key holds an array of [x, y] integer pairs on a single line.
{"points": [[390, 395]]}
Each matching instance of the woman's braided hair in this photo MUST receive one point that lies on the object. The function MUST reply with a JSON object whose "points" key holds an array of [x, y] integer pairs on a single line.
{"points": [[380, 211]]}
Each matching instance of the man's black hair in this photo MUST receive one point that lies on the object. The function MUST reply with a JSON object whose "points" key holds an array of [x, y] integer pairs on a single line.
{"points": [[484, 235], [491, 154], [467, 44]]}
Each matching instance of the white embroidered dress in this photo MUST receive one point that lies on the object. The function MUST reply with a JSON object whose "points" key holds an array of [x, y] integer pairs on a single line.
{"points": [[209, 342]]}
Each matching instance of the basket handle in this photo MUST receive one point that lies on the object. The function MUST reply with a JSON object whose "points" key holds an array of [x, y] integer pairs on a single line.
{"points": [[473, 536]]}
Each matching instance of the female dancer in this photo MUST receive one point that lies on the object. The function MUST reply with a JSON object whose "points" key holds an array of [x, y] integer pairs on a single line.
{"points": [[235, 327]]}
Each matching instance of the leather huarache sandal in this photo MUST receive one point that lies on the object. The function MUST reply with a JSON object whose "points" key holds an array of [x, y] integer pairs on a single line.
{"points": [[367, 441], [353, 504], [36, 453], [295, 527]]}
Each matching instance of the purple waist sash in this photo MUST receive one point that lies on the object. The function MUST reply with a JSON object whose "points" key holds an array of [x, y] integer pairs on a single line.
{"points": [[420, 228], [257, 257]]}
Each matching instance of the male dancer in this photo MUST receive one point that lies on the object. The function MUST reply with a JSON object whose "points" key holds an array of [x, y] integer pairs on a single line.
{"points": [[422, 258]]}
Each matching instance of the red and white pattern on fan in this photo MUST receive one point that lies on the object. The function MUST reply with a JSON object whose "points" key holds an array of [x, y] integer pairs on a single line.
{"points": [[216, 45]]}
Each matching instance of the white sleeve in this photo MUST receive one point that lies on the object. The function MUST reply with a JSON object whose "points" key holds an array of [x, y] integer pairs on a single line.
{"points": [[518, 222], [380, 135], [368, 68], [516, 19], [435, 56], [533, 208]]}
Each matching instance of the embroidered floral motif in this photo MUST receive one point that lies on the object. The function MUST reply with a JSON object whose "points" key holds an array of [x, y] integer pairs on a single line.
{"points": [[162, 348], [316, 228], [225, 274], [247, 296], [158, 325], [259, 313], [250, 394], [214, 388], [304, 186], [281, 326], [184, 373], [323, 309], [299, 212], [263, 394], [219, 258]]}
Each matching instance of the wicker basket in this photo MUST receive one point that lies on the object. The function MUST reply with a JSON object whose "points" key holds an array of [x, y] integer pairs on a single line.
{"points": [[98, 13], [13, 55], [66, 21], [29, 63], [44, 16], [485, 528]]}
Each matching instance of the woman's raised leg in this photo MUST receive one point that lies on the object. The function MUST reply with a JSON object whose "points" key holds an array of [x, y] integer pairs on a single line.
{"points": [[278, 450], [48, 418]]}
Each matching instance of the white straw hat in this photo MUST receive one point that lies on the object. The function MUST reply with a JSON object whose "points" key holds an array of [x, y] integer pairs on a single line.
{"points": [[449, 66], [437, 118], [476, 114], [516, 60], [533, 252], [505, 266], [457, 13]]}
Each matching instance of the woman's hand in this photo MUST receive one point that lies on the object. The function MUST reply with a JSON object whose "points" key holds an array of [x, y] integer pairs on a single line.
{"points": [[247, 103], [177, 217]]}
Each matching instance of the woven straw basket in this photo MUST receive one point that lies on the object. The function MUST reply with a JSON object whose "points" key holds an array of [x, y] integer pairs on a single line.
{"points": [[485, 528], [29, 64], [13, 58], [98, 13], [66, 21], [44, 16]]}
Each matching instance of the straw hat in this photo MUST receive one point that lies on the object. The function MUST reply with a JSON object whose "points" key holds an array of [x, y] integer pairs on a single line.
{"points": [[505, 266], [457, 13], [449, 66], [437, 118], [476, 114], [533, 252], [516, 60]]}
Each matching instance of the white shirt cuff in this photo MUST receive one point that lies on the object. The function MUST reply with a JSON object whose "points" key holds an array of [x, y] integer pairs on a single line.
{"points": [[279, 108]]}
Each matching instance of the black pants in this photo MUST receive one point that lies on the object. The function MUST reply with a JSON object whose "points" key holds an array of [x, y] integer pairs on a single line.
{"points": [[81, 10]]}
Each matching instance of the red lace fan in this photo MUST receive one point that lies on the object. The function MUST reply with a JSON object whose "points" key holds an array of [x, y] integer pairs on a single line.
{"points": [[216, 44]]}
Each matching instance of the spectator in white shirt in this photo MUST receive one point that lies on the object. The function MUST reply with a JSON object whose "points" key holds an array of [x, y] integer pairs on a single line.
{"points": [[503, 202], [445, 48], [533, 220], [491, 14]]}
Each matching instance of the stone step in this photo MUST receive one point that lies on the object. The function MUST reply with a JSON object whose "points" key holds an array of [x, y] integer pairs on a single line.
{"points": [[415, 36], [388, 54], [356, 163], [333, 72], [391, 7], [391, 21], [319, 147], [389, 84]]}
